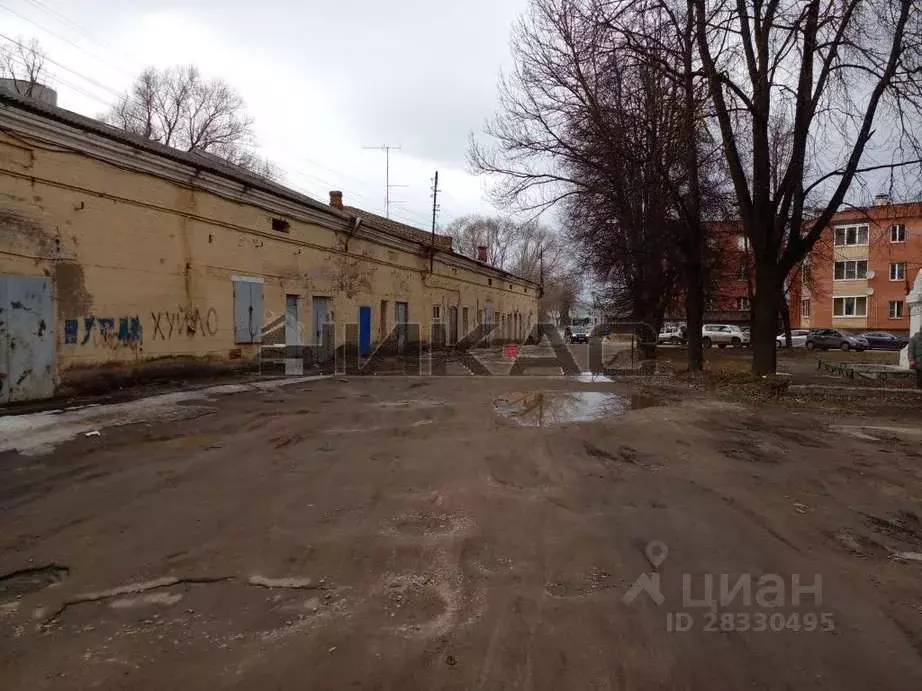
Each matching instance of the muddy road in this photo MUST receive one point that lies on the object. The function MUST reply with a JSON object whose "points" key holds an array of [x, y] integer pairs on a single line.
{"points": [[459, 533]]}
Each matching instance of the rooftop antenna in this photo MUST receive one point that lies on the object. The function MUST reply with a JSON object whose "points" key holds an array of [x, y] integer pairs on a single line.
{"points": [[387, 174]]}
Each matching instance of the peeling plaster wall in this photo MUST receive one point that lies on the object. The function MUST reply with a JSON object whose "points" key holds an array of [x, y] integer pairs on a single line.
{"points": [[142, 266]]}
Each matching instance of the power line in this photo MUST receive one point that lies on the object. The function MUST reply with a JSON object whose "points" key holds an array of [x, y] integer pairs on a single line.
{"points": [[92, 81], [58, 36], [388, 201], [117, 94], [67, 20]]}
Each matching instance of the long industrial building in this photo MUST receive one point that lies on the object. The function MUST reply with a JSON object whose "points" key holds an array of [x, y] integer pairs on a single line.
{"points": [[117, 252]]}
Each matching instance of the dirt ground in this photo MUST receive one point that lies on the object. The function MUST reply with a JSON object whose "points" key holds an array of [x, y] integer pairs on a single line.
{"points": [[461, 533]]}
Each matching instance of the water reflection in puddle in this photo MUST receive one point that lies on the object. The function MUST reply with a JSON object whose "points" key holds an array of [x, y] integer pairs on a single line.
{"points": [[543, 408]]}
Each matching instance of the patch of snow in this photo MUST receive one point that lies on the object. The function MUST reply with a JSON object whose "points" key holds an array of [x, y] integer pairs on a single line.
{"points": [[39, 433]]}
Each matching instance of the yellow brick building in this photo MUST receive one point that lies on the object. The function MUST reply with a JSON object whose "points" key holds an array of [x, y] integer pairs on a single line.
{"points": [[117, 251]]}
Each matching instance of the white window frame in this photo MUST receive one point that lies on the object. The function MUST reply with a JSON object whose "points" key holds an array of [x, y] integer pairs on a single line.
{"points": [[742, 242], [805, 307], [853, 227], [898, 268], [743, 304], [845, 276], [899, 309], [436, 313], [898, 230], [844, 299]]}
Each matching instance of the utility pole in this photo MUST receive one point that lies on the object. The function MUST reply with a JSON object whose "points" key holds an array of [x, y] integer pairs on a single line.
{"points": [[435, 211], [387, 175], [541, 267]]}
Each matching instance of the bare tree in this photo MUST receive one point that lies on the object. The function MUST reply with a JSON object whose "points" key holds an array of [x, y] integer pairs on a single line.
{"points": [[179, 108], [498, 234], [538, 253], [604, 115], [845, 78], [559, 297], [528, 249], [23, 61]]}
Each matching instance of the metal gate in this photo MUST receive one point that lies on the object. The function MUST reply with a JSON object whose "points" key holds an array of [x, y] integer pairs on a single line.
{"points": [[401, 315], [294, 356], [323, 329], [27, 339], [452, 325]]}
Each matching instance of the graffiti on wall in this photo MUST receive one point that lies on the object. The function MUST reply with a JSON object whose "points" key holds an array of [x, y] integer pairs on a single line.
{"points": [[183, 322], [104, 331], [114, 332]]}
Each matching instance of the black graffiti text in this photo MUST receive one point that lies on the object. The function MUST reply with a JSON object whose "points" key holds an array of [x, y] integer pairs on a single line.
{"points": [[184, 323]]}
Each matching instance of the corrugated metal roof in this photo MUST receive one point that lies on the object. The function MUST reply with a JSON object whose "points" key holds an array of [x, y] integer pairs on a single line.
{"points": [[207, 162], [442, 242]]}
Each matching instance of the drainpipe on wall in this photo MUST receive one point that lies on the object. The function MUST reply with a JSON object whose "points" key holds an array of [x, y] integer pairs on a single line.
{"points": [[356, 222]]}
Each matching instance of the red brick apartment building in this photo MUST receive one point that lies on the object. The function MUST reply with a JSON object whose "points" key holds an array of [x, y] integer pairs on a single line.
{"points": [[856, 277], [859, 273]]}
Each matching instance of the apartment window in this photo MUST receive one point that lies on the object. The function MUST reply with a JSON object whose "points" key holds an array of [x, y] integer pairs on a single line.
{"points": [[742, 304], [805, 308], [742, 242], [898, 232], [897, 271], [743, 273], [850, 270], [436, 313], [850, 306], [896, 309], [851, 235]]}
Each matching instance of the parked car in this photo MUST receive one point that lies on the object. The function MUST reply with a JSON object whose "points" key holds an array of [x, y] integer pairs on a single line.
{"points": [[673, 335], [881, 340], [824, 339], [723, 335], [798, 338], [579, 334]]}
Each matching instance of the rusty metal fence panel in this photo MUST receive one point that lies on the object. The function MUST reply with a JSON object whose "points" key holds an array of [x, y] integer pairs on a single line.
{"points": [[27, 338]]}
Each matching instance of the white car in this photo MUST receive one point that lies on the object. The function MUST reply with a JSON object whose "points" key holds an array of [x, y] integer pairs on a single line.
{"points": [[798, 338], [673, 335], [723, 335]]}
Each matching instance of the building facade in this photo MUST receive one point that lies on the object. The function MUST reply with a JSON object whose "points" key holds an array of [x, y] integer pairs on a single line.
{"points": [[119, 252], [859, 273]]}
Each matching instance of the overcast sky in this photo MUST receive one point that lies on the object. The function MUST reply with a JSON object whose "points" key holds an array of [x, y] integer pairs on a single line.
{"points": [[322, 80]]}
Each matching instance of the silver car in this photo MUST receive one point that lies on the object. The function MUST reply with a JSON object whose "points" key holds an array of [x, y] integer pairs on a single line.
{"points": [[798, 338], [824, 339], [723, 335]]}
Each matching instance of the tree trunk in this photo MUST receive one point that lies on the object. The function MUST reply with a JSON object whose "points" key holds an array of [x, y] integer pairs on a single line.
{"points": [[766, 304], [694, 315]]}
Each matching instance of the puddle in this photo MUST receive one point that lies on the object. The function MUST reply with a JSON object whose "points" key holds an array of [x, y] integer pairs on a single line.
{"points": [[544, 408], [31, 580]]}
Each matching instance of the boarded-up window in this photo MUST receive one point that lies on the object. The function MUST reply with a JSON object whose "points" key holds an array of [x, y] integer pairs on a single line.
{"points": [[248, 309]]}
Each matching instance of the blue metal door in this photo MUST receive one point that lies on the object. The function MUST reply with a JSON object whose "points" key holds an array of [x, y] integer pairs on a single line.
{"points": [[364, 330]]}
